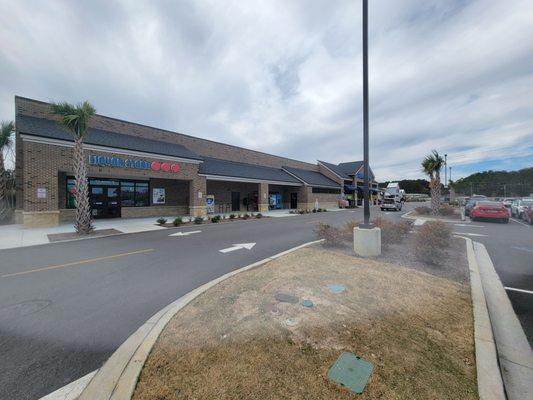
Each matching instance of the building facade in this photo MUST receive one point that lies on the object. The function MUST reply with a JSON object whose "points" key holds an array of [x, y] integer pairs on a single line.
{"points": [[140, 171]]}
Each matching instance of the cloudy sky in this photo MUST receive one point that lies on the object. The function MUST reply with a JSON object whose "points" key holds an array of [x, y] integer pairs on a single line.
{"points": [[285, 76]]}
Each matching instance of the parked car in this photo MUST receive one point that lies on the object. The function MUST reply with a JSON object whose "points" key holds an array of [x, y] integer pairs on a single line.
{"points": [[517, 206], [472, 202], [494, 210], [508, 201], [528, 214]]}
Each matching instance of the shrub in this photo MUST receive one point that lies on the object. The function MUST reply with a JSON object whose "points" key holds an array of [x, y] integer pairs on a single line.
{"points": [[392, 232], [215, 219], [258, 215], [324, 210], [161, 221], [431, 240], [314, 210], [423, 210], [301, 212], [446, 210], [347, 229], [245, 216], [198, 220], [232, 216], [332, 236], [177, 221]]}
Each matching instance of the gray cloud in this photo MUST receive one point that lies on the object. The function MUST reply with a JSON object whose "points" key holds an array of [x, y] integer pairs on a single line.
{"points": [[285, 77]]}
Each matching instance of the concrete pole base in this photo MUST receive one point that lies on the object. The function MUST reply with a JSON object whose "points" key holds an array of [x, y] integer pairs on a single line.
{"points": [[367, 242]]}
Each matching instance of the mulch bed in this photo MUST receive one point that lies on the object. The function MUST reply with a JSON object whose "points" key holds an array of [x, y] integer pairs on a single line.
{"points": [[58, 237]]}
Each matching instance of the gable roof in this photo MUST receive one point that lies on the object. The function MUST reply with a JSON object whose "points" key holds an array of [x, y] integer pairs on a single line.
{"points": [[335, 169], [51, 129], [234, 169], [312, 178]]}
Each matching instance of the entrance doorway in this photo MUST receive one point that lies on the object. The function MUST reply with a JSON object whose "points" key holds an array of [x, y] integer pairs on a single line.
{"points": [[235, 201], [294, 200], [105, 199]]}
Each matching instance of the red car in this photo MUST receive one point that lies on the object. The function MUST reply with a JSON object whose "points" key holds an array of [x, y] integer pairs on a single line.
{"points": [[490, 210], [528, 214]]}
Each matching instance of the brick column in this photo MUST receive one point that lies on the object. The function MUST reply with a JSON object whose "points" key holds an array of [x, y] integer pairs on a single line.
{"points": [[197, 191], [305, 198], [262, 197]]}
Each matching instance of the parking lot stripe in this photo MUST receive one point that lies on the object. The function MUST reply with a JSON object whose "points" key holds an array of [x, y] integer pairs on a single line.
{"points": [[518, 290], [87, 261], [519, 222]]}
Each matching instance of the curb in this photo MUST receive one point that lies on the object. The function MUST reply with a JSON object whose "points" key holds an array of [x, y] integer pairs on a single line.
{"points": [[117, 378], [489, 380], [513, 349]]}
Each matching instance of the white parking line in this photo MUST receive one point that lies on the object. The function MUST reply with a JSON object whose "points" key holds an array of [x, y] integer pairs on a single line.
{"points": [[518, 290], [470, 225], [519, 222], [523, 249], [468, 234]]}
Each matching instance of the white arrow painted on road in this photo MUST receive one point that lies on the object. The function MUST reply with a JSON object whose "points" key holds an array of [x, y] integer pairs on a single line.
{"points": [[184, 233], [468, 234], [238, 246]]}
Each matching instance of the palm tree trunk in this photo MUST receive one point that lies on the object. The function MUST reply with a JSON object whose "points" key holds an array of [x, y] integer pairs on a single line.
{"points": [[83, 208], [434, 203], [3, 189], [437, 190]]}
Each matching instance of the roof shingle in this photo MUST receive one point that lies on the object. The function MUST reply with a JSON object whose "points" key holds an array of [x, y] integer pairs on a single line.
{"points": [[51, 129]]}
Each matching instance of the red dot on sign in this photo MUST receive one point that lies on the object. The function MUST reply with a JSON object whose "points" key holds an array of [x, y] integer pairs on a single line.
{"points": [[165, 167], [175, 168], [156, 166]]}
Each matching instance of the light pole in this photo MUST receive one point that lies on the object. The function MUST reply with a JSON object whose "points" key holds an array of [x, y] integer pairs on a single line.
{"points": [[366, 196], [366, 237], [450, 175]]}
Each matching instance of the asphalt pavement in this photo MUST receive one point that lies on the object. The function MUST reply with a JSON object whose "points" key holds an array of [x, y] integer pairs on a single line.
{"points": [[510, 247], [66, 307]]}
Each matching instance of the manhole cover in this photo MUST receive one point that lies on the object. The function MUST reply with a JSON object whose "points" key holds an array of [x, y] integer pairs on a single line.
{"points": [[351, 371], [286, 298]]}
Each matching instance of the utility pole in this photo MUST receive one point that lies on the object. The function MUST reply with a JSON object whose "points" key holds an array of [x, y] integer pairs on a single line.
{"points": [[450, 175], [366, 168], [445, 170]]}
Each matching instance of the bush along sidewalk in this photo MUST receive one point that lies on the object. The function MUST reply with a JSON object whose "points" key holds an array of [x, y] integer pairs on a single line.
{"points": [[432, 239]]}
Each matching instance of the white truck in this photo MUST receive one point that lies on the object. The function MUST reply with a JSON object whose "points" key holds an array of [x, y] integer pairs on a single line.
{"points": [[393, 198]]}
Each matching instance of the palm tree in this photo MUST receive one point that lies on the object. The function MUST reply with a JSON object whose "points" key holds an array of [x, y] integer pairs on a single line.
{"points": [[6, 129], [76, 120], [432, 165]]}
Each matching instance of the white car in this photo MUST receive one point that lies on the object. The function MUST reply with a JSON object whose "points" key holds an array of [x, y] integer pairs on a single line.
{"points": [[391, 203], [517, 206]]}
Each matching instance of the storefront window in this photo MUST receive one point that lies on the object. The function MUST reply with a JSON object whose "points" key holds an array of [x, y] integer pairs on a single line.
{"points": [[142, 194], [127, 194], [71, 190]]}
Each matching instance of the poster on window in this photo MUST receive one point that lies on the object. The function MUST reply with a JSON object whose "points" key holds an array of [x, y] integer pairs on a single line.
{"points": [[158, 196], [210, 203]]}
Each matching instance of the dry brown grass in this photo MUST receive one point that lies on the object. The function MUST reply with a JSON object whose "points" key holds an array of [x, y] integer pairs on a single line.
{"points": [[228, 344]]}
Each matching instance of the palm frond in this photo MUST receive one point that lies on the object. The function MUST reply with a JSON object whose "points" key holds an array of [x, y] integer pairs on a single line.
{"points": [[6, 129], [74, 118]]}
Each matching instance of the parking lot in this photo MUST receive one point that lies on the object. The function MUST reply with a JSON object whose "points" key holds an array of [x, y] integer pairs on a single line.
{"points": [[510, 247]]}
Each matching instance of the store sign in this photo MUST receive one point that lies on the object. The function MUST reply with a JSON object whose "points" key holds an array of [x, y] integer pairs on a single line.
{"points": [[119, 162]]}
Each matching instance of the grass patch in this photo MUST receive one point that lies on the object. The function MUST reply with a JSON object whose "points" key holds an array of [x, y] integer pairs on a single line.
{"points": [[233, 342]]}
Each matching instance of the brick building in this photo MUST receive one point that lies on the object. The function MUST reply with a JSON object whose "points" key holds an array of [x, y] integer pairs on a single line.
{"points": [[140, 171]]}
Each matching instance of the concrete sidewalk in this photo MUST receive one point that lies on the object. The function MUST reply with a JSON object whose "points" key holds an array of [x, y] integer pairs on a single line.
{"points": [[16, 235]]}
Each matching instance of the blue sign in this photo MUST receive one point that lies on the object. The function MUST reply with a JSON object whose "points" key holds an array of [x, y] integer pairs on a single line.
{"points": [[105, 161]]}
